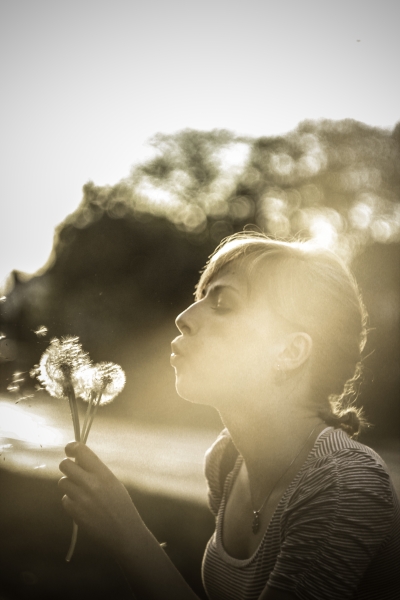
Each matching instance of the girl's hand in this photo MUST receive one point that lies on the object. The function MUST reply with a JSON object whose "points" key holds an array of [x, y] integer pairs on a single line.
{"points": [[97, 500]]}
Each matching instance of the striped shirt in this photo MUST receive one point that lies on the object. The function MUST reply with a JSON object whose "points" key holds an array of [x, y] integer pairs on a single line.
{"points": [[335, 533]]}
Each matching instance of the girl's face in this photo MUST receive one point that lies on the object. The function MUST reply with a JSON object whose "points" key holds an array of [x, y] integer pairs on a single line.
{"points": [[228, 343]]}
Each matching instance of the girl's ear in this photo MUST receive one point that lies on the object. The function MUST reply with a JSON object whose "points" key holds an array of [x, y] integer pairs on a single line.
{"points": [[295, 352]]}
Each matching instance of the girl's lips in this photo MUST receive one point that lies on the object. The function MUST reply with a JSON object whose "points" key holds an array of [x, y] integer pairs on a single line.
{"points": [[174, 358], [176, 352], [175, 349]]}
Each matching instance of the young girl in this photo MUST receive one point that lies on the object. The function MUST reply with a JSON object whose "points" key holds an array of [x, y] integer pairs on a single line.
{"points": [[273, 342]]}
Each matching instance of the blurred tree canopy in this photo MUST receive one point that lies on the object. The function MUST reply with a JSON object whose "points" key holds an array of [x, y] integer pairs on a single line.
{"points": [[336, 181], [126, 261]]}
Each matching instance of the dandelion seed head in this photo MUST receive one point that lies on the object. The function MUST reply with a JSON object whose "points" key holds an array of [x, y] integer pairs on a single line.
{"points": [[61, 364], [109, 380], [85, 382]]}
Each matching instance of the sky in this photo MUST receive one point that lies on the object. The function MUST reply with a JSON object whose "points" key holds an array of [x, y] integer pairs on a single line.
{"points": [[86, 83]]}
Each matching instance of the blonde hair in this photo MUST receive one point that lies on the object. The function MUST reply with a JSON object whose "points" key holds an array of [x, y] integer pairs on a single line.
{"points": [[311, 288]]}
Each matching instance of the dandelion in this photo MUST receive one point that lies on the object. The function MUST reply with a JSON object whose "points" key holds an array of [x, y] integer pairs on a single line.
{"points": [[66, 371], [99, 386], [60, 368], [61, 364], [40, 331]]}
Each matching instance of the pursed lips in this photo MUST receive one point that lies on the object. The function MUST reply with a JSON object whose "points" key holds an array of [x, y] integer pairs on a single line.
{"points": [[176, 349]]}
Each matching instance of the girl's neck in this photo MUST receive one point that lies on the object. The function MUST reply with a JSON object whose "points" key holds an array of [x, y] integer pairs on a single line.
{"points": [[270, 446]]}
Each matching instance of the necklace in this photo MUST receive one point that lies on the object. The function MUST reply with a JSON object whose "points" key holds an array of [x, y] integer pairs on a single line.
{"points": [[256, 513]]}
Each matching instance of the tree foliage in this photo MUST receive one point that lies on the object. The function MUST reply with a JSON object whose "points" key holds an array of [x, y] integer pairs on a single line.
{"points": [[338, 182]]}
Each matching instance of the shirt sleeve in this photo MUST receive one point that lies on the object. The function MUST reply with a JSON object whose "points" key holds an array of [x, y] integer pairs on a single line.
{"points": [[335, 522]]}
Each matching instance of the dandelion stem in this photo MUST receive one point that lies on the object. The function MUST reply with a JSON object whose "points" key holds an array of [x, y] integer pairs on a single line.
{"points": [[74, 412], [91, 418], [85, 422], [75, 420], [73, 542]]}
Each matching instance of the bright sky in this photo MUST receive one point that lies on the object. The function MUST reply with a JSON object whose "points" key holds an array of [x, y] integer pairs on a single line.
{"points": [[86, 82]]}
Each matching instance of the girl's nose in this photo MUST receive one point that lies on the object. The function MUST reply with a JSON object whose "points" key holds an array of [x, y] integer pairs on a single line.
{"points": [[186, 321]]}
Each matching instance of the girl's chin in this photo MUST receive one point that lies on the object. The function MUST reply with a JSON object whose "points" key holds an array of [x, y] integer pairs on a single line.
{"points": [[188, 393]]}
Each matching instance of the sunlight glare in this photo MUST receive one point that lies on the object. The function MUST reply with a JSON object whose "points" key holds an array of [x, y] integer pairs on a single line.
{"points": [[18, 424], [323, 232]]}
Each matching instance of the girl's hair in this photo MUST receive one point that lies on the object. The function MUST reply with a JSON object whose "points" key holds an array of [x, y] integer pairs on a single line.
{"points": [[311, 288]]}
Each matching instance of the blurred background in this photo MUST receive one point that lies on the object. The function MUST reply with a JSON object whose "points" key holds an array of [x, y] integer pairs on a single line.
{"points": [[135, 139]]}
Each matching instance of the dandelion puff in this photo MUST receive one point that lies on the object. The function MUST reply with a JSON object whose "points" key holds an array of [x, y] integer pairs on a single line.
{"points": [[60, 365], [105, 381], [52, 386], [85, 382], [108, 380], [41, 331]]}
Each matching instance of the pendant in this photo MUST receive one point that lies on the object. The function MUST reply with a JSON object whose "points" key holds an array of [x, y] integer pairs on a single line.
{"points": [[256, 521]]}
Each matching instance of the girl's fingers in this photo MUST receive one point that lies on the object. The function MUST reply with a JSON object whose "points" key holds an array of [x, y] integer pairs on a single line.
{"points": [[89, 482], [86, 458], [73, 471], [69, 488]]}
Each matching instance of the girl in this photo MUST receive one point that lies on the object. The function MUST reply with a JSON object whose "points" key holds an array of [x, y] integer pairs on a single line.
{"points": [[273, 342]]}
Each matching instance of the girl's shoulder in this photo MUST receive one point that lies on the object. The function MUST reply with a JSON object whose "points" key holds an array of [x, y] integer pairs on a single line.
{"points": [[346, 468], [335, 447]]}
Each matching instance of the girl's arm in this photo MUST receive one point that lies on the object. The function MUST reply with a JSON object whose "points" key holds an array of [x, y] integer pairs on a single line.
{"points": [[98, 502]]}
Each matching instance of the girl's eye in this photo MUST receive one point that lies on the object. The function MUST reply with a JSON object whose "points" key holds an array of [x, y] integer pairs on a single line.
{"points": [[218, 298], [220, 303]]}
